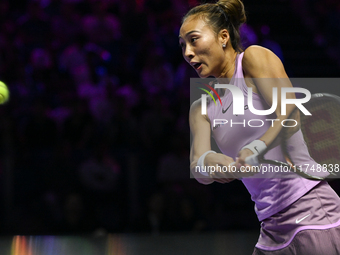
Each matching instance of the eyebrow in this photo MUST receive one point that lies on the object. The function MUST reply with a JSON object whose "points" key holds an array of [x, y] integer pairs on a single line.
{"points": [[189, 33]]}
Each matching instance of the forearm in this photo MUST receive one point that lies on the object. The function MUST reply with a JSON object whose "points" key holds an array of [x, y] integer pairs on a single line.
{"points": [[214, 167], [281, 121], [273, 131], [200, 177]]}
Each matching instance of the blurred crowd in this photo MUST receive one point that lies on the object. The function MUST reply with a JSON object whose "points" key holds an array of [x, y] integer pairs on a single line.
{"points": [[96, 137], [98, 107], [322, 17]]}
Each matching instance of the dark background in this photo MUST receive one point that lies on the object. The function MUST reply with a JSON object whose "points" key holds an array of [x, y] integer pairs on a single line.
{"points": [[96, 135]]}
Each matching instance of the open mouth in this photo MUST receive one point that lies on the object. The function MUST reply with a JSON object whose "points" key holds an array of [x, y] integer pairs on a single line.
{"points": [[197, 65]]}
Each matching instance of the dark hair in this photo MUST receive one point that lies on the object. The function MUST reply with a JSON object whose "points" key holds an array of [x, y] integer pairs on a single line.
{"points": [[225, 14]]}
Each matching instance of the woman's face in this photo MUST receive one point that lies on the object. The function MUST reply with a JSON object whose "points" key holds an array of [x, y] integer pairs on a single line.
{"points": [[200, 47]]}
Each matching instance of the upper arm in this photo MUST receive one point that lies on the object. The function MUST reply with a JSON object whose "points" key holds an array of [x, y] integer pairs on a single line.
{"points": [[201, 133], [200, 129], [266, 72]]}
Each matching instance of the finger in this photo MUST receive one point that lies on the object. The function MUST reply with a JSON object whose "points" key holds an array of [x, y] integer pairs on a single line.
{"points": [[222, 176], [237, 163], [242, 159], [243, 154], [223, 180], [223, 171], [219, 180]]}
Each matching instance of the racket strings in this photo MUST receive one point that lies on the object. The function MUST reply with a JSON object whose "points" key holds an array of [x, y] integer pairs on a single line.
{"points": [[320, 131]]}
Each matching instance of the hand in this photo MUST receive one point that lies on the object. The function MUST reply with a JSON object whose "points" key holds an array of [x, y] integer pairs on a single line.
{"points": [[241, 157], [241, 164], [219, 164]]}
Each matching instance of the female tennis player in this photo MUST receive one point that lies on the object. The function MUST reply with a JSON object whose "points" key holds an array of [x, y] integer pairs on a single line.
{"points": [[298, 216]]}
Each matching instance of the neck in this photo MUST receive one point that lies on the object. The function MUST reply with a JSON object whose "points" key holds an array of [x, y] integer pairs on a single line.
{"points": [[229, 66]]}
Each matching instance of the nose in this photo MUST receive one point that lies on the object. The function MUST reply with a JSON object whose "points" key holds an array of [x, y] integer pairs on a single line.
{"points": [[188, 53]]}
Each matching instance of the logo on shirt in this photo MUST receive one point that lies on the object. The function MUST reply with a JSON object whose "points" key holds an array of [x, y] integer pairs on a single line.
{"points": [[299, 220], [224, 111]]}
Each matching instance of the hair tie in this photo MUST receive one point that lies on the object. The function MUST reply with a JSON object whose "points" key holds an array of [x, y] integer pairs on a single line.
{"points": [[223, 12]]}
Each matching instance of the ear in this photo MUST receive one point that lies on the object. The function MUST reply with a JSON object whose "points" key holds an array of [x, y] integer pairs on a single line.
{"points": [[224, 36]]}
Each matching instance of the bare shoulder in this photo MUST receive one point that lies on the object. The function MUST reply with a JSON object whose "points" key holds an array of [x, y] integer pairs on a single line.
{"points": [[256, 49], [261, 62], [257, 55]]}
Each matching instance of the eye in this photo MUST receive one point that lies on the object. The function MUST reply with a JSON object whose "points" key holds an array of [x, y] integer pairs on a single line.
{"points": [[193, 39], [181, 45]]}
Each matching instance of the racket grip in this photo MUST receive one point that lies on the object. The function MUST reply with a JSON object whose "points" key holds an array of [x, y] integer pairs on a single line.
{"points": [[252, 160]]}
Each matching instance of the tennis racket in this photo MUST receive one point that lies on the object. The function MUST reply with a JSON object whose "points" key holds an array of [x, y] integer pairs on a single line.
{"points": [[321, 135]]}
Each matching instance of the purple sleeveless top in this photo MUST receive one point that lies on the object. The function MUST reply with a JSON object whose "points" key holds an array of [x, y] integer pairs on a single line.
{"points": [[271, 192]]}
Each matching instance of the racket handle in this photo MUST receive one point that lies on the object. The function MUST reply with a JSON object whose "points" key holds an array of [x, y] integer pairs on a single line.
{"points": [[252, 160]]}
